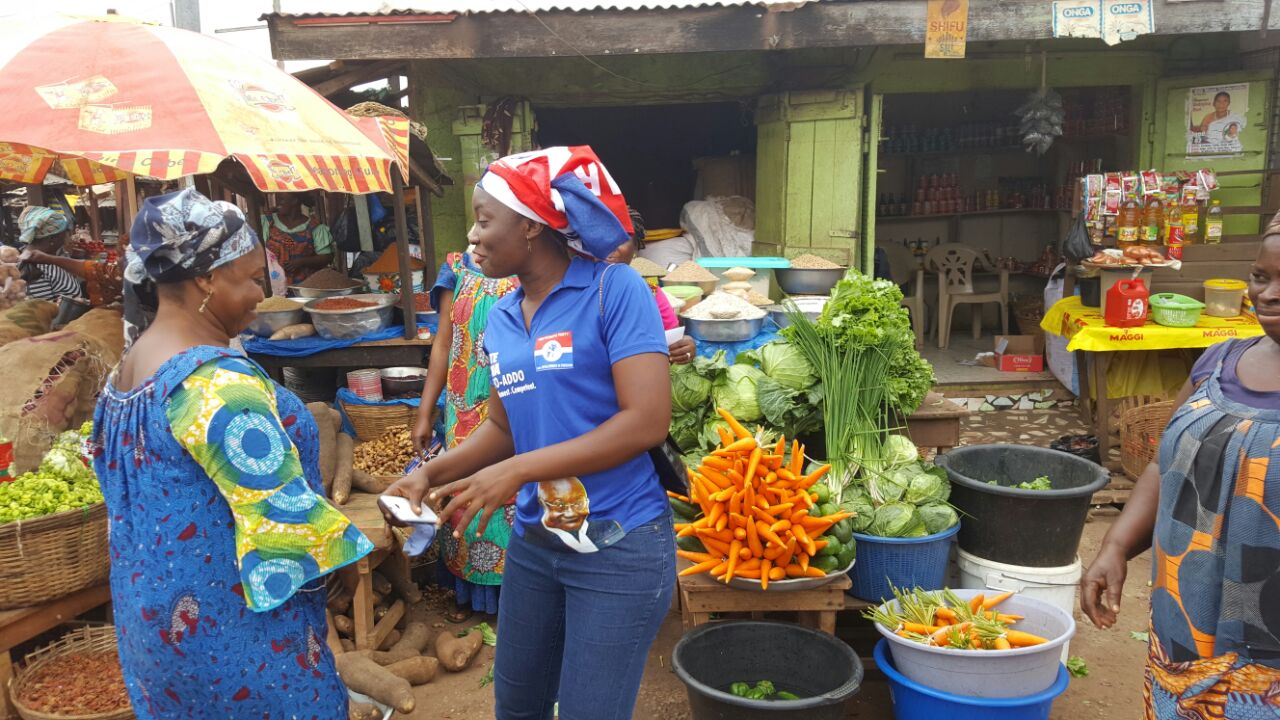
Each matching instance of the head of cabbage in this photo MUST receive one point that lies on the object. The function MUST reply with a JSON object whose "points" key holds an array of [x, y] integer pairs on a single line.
{"points": [[736, 392], [898, 450], [858, 501], [897, 519], [938, 517], [784, 362], [691, 384], [925, 483]]}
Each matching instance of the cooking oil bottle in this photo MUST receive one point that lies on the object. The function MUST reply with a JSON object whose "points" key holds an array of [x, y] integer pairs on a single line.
{"points": [[1213, 223]]}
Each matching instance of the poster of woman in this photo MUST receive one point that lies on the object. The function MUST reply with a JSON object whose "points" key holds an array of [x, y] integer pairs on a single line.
{"points": [[1216, 119]]}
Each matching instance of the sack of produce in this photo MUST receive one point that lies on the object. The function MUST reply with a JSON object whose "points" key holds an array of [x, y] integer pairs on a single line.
{"points": [[104, 325], [52, 384], [27, 318]]}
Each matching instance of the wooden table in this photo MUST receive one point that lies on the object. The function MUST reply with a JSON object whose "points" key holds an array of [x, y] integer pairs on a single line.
{"points": [[700, 595], [936, 424], [362, 510], [23, 624], [376, 354]]}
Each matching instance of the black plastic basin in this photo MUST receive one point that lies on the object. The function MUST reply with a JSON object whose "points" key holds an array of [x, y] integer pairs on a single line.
{"points": [[822, 670], [1032, 528]]}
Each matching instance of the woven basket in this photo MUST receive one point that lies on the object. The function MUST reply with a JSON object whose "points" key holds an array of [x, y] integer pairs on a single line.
{"points": [[51, 556], [84, 640], [372, 421], [1140, 431]]}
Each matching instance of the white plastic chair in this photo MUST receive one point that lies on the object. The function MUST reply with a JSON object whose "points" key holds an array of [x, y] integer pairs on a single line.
{"points": [[905, 271], [955, 264]]}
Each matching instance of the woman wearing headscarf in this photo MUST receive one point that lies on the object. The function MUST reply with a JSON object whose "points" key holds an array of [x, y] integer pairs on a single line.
{"points": [[220, 532], [296, 237], [681, 351], [580, 392], [43, 233]]}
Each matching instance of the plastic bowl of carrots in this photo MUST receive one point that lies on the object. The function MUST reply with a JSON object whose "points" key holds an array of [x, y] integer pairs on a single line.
{"points": [[753, 506], [975, 642]]}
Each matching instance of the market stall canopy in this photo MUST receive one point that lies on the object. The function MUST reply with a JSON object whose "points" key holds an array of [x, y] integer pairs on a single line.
{"points": [[32, 165], [165, 103]]}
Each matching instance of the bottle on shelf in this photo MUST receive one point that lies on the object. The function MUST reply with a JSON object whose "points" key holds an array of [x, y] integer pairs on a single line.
{"points": [[1153, 221], [1191, 222], [1174, 239], [1127, 223], [1213, 223]]}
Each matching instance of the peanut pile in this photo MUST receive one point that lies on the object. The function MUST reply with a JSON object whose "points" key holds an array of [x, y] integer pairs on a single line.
{"points": [[77, 684], [388, 454]]}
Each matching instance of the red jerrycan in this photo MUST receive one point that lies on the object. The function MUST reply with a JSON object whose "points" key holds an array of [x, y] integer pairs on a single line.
{"points": [[1127, 304]]}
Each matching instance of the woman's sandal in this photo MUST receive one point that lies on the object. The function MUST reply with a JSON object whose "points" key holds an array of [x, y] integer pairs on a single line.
{"points": [[457, 614]]}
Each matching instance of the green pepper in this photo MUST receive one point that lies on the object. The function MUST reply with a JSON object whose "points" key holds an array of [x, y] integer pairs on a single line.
{"points": [[784, 695], [740, 689]]}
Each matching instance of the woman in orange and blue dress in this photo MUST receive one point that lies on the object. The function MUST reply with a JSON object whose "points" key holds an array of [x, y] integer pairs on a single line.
{"points": [[1209, 510]]}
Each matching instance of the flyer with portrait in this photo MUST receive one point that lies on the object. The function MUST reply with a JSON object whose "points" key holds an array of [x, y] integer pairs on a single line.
{"points": [[1215, 117]]}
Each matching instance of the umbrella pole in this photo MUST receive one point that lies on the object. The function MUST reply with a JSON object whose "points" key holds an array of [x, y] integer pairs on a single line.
{"points": [[255, 220], [426, 238], [402, 251]]}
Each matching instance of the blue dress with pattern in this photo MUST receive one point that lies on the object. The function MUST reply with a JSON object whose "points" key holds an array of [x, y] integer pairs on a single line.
{"points": [[189, 645]]}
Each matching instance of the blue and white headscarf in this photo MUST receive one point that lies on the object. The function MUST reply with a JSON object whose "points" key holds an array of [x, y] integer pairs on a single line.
{"points": [[37, 222], [182, 235], [175, 237]]}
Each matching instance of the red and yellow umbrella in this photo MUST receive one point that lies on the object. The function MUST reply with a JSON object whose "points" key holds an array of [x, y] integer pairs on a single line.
{"points": [[103, 97]]}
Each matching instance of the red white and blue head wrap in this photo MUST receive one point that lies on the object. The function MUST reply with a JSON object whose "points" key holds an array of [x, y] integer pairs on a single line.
{"points": [[567, 189]]}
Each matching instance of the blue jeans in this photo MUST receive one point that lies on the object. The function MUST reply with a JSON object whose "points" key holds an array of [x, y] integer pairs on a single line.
{"points": [[577, 627]]}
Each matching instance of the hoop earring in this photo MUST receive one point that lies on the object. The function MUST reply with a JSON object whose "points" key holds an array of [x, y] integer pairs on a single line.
{"points": [[205, 304]]}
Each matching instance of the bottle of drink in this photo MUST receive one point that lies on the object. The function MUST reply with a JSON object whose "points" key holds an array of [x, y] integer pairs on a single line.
{"points": [[1153, 221], [1127, 223], [1173, 236], [1191, 222], [1213, 223]]}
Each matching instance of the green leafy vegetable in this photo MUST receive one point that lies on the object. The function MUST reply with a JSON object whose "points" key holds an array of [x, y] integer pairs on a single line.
{"points": [[1040, 483], [1143, 636], [790, 412], [897, 519], [736, 392], [690, 386], [1077, 667], [787, 365], [859, 502], [928, 484], [899, 450], [488, 676], [486, 631], [64, 481], [938, 517]]}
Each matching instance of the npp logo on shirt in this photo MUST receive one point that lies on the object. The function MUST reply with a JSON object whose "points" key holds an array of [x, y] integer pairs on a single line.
{"points": [[553, 352]]}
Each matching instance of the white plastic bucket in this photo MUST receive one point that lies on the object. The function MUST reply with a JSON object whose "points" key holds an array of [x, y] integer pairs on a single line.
{"points": [[1054, 585]]}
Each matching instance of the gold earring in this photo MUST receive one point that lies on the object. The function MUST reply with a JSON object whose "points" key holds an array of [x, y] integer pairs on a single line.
{"points": [[205, 304]]}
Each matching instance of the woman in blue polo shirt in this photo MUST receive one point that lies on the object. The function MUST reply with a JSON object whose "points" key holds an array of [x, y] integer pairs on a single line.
{"points": [[581, 391]]}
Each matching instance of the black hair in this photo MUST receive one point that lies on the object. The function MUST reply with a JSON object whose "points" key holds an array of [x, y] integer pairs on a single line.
{"points": [[1223, 94]]}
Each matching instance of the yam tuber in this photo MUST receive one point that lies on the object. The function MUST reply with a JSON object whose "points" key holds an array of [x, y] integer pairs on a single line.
{"points": [[363, 711], [364, 482], [369, 678], [380, 582], [293, 332], [328, 442], [456, 653], [393, 637], [417, 670], [342, 469], [396, 571], [412, 642], [344, 625]]}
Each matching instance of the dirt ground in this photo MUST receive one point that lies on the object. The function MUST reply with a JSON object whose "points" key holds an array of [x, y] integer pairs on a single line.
{"points": [[1113, 688]]}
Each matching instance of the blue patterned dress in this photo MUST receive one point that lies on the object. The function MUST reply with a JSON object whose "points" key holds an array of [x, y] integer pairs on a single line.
{"points": [[190, 645]]}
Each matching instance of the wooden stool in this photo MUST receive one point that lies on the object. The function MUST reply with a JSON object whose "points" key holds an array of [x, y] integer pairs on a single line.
{"points": [[701, 595], [362, 510]]}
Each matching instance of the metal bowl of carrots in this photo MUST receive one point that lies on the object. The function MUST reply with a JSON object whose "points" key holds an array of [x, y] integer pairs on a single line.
{"points": [[791, 584]]}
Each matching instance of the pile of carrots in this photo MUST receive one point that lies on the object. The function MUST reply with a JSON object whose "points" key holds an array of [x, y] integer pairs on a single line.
{"points": [[945, 620], [755, 503]]}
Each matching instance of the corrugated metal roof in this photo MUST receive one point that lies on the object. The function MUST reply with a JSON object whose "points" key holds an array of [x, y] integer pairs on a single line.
{"points": [[365, 8]]}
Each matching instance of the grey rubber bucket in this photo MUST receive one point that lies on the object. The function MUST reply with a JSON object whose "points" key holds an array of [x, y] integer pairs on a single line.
{"points": [[821, 669], [1032, 528]]}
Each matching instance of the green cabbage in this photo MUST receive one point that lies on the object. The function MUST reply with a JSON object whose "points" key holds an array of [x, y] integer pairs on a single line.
{"points": [[736, 392], [889, 487], [859, 502], [938, 517], [686, 429], [897, 519], [927, 484], [689, 390], [898, 450], [786, 364]]}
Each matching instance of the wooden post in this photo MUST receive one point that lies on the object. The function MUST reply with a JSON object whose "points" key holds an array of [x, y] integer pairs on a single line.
{"points": [[95, 228], [130, 199], [254, 218], [426, 237], [402, 252]]}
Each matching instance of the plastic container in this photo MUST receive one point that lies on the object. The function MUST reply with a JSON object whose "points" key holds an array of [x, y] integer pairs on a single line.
{"points": [[1109, 276], [1035, 528], [914, 701], [690, 294], [1127, 304], [1056, 585], [823, 670], [1222, 298], [366, 384], [1090, 291], [904, 562], [990, 673], [761, 282], [1173, 310], [1082, 446]]}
